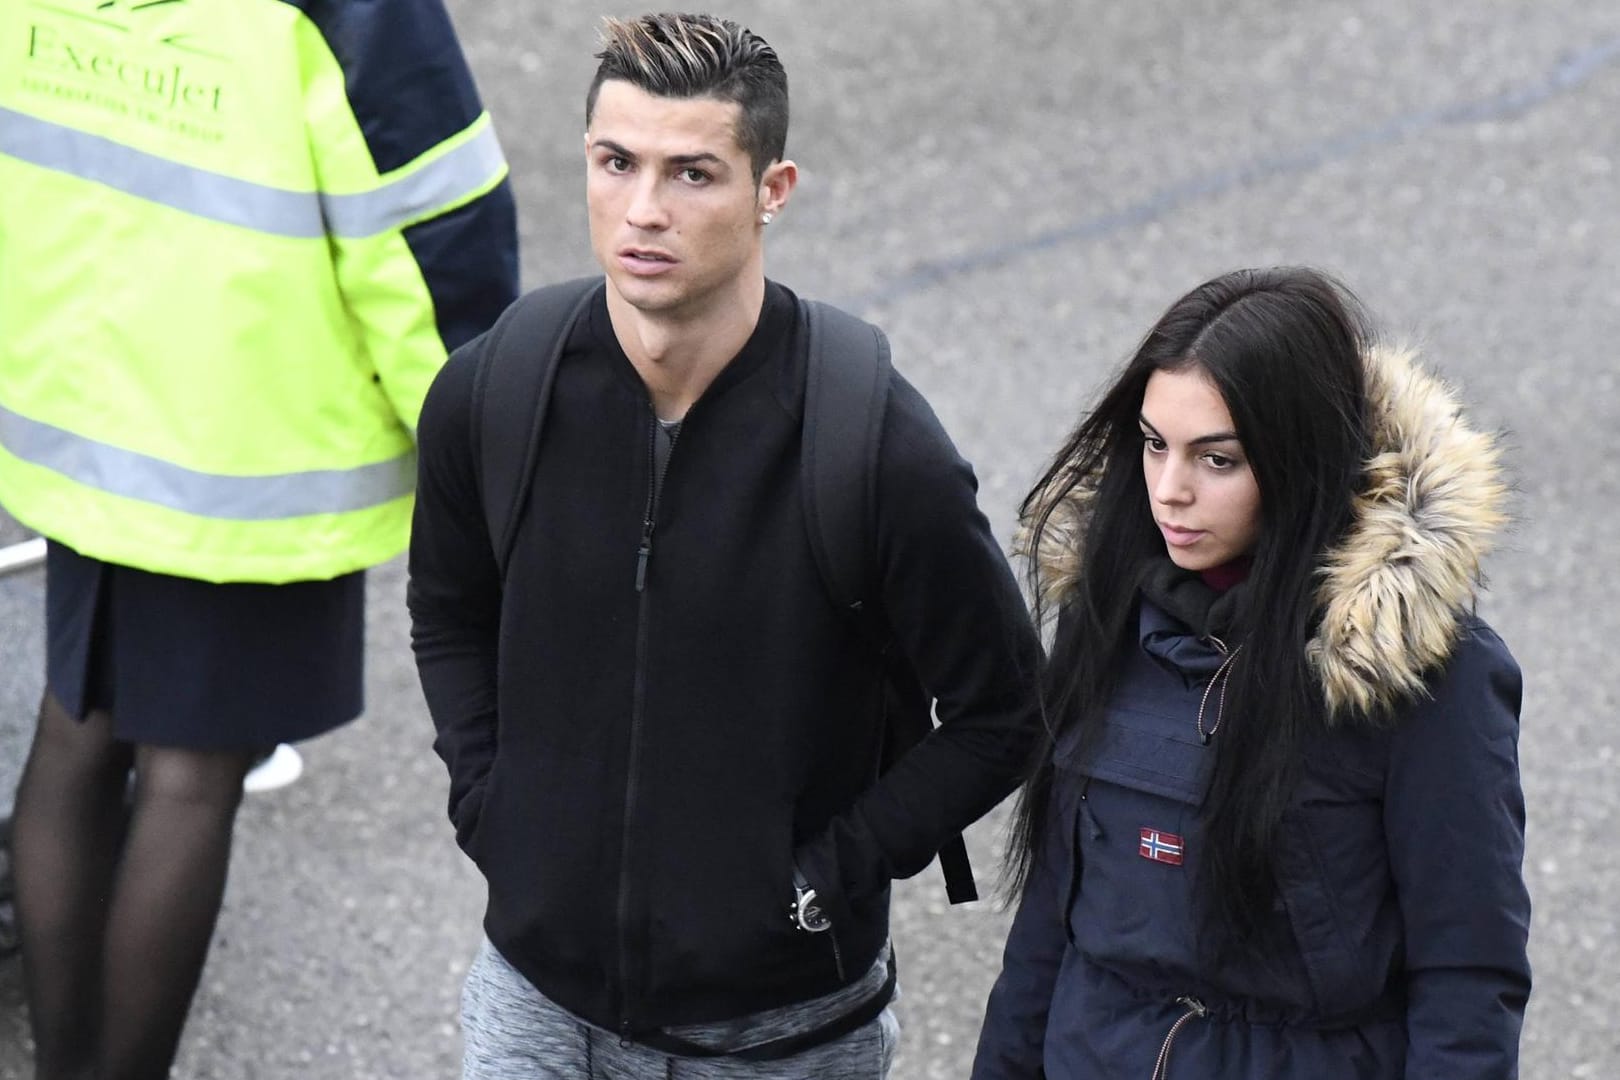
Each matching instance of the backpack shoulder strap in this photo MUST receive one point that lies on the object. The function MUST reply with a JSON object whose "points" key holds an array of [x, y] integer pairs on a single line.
{"points": [[846, 392], [510, 392]]}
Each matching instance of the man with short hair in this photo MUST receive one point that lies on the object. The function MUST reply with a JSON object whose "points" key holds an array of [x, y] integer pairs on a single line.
{"points": [[663, 736]]}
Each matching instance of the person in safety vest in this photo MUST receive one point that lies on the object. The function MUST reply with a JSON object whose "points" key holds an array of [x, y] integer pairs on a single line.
{"points": [[237, 242]]}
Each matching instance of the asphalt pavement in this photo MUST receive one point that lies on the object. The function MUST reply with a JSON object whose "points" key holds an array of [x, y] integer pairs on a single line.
{"points": [[1014, 190]]}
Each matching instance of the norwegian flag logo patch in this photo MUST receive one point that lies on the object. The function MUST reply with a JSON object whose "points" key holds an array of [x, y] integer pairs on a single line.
{"points": [[1160, 846]]}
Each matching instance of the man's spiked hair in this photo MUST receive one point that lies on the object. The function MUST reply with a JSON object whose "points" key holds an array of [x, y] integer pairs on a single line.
{"points": [[694, 56]]}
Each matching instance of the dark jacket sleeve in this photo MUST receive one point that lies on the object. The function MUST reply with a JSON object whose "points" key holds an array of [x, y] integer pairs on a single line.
{"points": [[956, 613], [454, 593], [1013, 1040], [1454, 822]]}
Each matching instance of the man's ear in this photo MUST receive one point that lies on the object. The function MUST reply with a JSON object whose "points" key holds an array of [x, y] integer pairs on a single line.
{"points": [[776, 186]]}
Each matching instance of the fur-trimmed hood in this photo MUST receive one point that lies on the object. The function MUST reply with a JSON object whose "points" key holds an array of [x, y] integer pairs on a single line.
{"points": [[1395, 589]]}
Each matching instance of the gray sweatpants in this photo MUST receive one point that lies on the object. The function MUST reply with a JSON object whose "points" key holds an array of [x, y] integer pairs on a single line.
{"points": [[513, 1032]]}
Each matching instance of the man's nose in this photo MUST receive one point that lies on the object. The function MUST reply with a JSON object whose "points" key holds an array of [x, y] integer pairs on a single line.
{"points": [[646, 209]]}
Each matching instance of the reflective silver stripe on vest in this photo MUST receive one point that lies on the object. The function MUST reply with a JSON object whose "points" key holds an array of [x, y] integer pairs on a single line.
{"points": [[468, 168], [232, 498], [461, 171], [169, 183]]}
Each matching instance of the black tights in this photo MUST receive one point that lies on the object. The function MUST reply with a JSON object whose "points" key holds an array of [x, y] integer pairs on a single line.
{"points": [[116, 907]]}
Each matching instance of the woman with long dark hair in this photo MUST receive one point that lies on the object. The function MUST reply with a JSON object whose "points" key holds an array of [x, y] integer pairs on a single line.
{"points": [[1277, 829]]}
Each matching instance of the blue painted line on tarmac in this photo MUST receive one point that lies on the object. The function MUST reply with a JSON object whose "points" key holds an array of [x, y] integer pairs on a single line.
{"points": [[1567, 75]]}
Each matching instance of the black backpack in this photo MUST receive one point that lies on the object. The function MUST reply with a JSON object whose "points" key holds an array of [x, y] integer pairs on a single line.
{"points": [[846, 390]]}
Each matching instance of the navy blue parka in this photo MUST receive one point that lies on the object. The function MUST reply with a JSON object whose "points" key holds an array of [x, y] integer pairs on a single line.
{"points": [[1396, 946]]}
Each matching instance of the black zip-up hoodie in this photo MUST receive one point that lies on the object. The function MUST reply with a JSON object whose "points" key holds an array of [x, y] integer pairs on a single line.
{"points": [[637, 769]]}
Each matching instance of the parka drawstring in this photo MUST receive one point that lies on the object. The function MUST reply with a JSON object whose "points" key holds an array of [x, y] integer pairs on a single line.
{"points": [[1221, 676], [1161, 1068]]}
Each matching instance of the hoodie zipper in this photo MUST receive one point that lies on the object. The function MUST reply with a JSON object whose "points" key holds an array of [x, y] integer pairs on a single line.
{"points": [[638, 704], [644, 550]]}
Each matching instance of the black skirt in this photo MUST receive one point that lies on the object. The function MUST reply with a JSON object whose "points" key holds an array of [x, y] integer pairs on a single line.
{"points": [[203, 666]]}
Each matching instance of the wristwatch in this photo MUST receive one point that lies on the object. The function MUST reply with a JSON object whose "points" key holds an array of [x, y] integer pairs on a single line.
{"points": [[806, 912]]}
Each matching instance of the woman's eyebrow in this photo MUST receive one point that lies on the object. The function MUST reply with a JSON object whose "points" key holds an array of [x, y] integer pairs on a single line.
{"points": [[1202, 440]]}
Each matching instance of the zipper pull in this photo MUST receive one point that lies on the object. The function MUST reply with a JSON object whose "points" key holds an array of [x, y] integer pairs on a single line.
{"points": [[642, 554]]}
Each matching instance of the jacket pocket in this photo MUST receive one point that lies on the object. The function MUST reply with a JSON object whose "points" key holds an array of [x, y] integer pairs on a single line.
{"points": [[1131, 753], [470, 816], [1334, 882], [722, 917], [1135, 796]]}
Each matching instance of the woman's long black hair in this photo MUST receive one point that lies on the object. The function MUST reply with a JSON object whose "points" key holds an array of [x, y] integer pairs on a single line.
{"points": [[1284, 347]]}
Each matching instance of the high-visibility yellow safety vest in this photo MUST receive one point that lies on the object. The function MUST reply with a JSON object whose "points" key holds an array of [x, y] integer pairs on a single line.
{"points": [[237, 241]]}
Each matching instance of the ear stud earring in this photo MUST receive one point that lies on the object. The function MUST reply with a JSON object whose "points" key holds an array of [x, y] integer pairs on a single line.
{"points": [[765, 218]]}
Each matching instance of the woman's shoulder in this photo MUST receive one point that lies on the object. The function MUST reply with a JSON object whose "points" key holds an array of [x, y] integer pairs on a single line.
{"points": [[1479, 650], [1476, 693]]}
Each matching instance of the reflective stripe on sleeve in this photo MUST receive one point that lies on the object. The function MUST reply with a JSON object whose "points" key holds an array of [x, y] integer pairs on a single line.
{"points": [[458, 174]]}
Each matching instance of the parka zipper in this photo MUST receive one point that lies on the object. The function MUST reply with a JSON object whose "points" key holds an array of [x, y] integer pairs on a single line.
{"points": [[1161, 1068], [638, 701]]}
